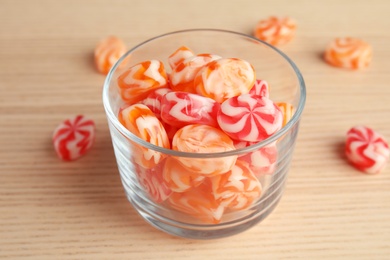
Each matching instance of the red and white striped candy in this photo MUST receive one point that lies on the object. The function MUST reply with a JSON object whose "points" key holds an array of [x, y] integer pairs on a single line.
{"points": [[179, 56], [236, 189], [367, 150], [181, 108], [153, 100], [74, 137], [249, 118], [153, 183], [260, 88], [225, 78], [262, 161]]}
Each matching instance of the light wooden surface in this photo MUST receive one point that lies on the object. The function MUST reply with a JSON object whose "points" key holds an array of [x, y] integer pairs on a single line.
{"points": [[55, 210]]}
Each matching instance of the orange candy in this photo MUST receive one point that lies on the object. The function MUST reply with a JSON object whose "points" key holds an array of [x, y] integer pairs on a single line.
{"points": [[179, 56], [204, 139], [236, 189], [142, 122], [348, 53], [107, 52], [287, 111], [199, 203], [182, 76], [139, 80], [225, 78], [275, 30]]}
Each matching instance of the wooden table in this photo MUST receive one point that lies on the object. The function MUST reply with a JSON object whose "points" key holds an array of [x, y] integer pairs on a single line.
{"points": [[55, 210]]}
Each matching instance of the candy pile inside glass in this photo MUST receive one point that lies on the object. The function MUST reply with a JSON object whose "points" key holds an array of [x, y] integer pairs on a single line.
{"points": [[200, 103]]}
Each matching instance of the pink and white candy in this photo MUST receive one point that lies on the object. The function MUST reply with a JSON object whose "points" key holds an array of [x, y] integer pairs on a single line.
{"points": [[153, 100], [249, 118], [367, 150], [260, 88], [181, 108], [74, 137]]}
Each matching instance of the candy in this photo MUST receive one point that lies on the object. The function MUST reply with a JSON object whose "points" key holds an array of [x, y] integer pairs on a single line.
{"points": [[182, 76], [181, 108], [249, 118], [179, 56], [153, 100], [348, 53], [178, 178], [204, 139], [260, 88], [137, 82], [107, 52], [198, 202], [275, 30], [141, 121], [225, 78], [153, 183], [263, 160], [367, 150], [287, 111], [236, 189], [74, 137]]}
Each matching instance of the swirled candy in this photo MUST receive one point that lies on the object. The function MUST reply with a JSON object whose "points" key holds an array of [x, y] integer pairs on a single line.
{"points": [[367, 150], [249, 118], [153, 100], [179, 56], [236, 189], [198, 202], [260, 88], [107, 52], [275, 30], [261, 161], [178, 178], [287, 111], [204, 139], [348, 53], [182, 108], [138, 81], [153, 183], [225, 78], [74, 137], [142, 122], [182, 76]]}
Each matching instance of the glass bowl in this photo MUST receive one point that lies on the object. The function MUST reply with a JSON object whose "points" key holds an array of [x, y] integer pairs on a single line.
{"points": [[203, 211]]}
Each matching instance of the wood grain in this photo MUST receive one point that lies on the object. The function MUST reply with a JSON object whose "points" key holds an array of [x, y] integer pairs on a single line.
{"points": [[55, 210]]}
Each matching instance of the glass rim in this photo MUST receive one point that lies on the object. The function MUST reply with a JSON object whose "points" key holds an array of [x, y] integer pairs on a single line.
{"points": [[273, 138]]}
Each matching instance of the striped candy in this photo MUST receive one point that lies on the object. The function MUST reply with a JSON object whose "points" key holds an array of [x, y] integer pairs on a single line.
{"points": [[263, 160], [153, 100], [260, 88], [275, 30], [137, 82], [204, 139], [107, 52], [348, 53], [179, 56], [225, 78], [181, 108], [74, 137], [249, 118], [367, 150]]}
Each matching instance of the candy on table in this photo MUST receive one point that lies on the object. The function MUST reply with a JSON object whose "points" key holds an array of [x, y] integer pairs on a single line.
{"points": [[260, 88], [263, 160], [287, 111], [137, 82], [153, 100], [225, 78], [153, 183], [367, 150], [142, 122], [182, 108], [275, 30], [236, 189], [182, 76], [348, 53], [204, 139], [249, 118], [179, 56], [107, 52], [198, 202], [178, 178], [74, 137]]}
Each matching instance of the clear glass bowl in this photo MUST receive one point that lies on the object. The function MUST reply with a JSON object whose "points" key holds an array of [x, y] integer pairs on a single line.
{"points": [[141, 186]]}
